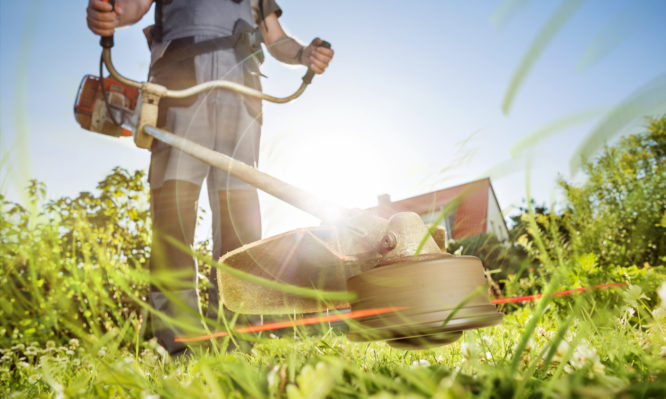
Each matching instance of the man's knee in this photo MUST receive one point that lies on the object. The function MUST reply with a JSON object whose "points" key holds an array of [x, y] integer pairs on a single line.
{"points": [[239, 218], [174, 213]]}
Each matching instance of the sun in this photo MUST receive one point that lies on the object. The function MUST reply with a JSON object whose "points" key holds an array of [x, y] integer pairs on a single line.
{"points": [[337, 166]]}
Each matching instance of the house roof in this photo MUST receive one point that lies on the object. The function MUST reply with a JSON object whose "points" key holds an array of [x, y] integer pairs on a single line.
{"points": [[432, 201], [471, 211]]}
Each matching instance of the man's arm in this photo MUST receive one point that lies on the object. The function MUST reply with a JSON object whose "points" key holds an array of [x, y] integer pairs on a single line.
{"points": [[288, 50], [103, 18]]}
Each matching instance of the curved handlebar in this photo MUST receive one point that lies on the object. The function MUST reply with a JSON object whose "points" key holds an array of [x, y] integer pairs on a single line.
{"points": [[216, 84]]}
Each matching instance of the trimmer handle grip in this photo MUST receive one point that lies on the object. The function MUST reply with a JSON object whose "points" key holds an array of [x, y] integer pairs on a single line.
{"points": [[107, 41], [307, 78]]}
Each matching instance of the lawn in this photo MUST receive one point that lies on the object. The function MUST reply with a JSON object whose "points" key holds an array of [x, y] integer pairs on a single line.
{"points": [[74, 279]]}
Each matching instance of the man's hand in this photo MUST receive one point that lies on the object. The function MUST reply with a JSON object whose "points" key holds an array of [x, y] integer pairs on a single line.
{"points": [[103, 18], [317, 57], [288, 50]]}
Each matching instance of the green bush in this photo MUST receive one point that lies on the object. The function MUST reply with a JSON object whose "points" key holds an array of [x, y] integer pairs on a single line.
{"points": [[72, 267], [612, 229], [619, 213], [500, 258]]}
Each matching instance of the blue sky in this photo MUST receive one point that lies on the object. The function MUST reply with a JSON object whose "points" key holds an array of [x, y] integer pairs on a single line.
{"points": [[411, 102]]}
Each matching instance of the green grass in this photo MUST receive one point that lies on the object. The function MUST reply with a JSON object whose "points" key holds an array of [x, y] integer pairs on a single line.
{"points": [[73, 323], [591, 353]]}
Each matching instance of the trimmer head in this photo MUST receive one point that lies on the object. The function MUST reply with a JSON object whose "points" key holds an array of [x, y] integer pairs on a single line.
{"points": [[439, 296], [436, 295]]}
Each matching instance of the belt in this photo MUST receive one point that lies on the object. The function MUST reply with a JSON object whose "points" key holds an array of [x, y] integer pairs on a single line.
{"points": [[245, 40]]}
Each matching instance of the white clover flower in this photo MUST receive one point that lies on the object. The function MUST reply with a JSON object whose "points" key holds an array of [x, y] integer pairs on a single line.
{"points": [[561, 351], [272, 375], [161, 351], [74, 343], [33, 379], [487, 340], [629, 311], [598, 367], [421, 363], [659, 313], [101, 352], [469, 350], [57, 388], [446, 382], [662, 353], [584, 354], [662, 295], [50, 344]]}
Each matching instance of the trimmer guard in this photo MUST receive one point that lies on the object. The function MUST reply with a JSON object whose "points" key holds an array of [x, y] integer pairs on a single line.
{"points": [[306, 257]]}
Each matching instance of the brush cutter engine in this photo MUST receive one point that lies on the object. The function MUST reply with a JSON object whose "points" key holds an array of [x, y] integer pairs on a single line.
{"points": [[106, 106], [397, 263]]}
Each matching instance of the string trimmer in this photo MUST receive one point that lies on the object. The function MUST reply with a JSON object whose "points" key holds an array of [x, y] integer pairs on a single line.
{"points": [[390, 263]]}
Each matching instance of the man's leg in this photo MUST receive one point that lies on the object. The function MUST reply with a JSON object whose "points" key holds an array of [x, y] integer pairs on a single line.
{"points": [[174, 212], [236, 221]]}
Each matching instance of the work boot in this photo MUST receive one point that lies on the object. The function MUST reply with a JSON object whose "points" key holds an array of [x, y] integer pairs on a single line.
{"points": [[182, 306]]}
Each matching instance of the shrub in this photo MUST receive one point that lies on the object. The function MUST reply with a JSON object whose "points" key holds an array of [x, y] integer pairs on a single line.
{"points": [[77, 266], [619, 213]]}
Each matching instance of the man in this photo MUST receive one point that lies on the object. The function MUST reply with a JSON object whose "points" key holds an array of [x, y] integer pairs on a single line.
{"points": [[192, 42]]}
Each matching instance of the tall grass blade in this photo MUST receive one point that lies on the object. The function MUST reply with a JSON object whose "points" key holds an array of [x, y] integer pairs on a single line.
{"points": [[545, 36], [649, 99]]}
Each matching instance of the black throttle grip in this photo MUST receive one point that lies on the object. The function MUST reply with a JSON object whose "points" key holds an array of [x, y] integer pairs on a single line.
{"points": [[107, 41], [309, 75]]}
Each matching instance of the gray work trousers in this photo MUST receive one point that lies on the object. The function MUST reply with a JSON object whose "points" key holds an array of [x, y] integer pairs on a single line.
{"points": [[219, 120]]}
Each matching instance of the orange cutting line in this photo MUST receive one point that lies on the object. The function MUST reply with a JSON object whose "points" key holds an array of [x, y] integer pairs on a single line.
{"points": [[294, 323], [560, 293], [369, 312]]}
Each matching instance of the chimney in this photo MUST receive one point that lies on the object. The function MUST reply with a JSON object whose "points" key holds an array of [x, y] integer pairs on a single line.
{"points": [[383, 199]]}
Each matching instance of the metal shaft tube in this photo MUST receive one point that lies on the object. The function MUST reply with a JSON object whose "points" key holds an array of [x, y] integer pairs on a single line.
{"points": [[307, 202]]}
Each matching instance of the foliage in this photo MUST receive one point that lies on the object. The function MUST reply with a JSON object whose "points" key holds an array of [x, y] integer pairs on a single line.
{"points": [[619, 213], [500, 258], [74, 266]]}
